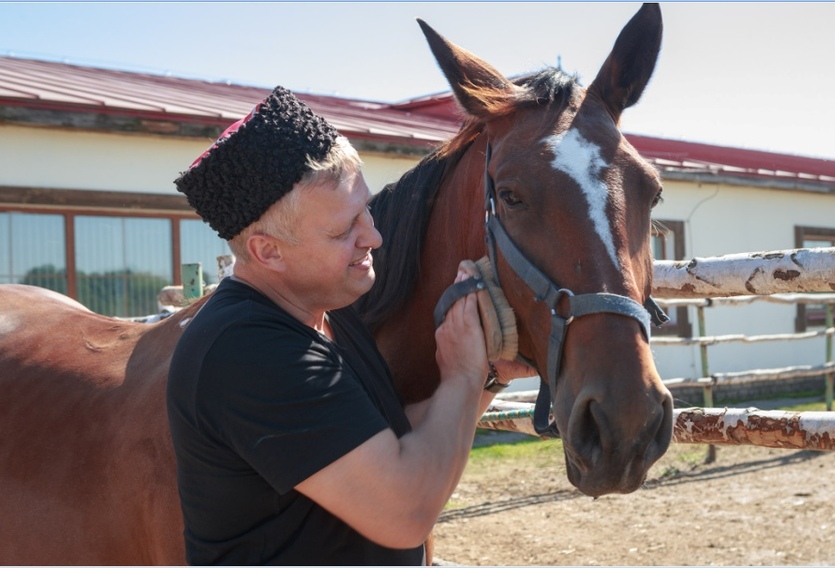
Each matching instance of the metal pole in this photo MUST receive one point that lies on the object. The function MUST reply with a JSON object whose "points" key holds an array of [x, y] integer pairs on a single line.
{"points": [[708, 386], [830, 377], [192, 281]]}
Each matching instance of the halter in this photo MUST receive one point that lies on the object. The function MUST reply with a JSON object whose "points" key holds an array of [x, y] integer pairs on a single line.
{"points": [[550, 294]]}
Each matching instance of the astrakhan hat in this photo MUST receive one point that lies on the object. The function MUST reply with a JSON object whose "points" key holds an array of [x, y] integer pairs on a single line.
{"points": [[255, 162]]}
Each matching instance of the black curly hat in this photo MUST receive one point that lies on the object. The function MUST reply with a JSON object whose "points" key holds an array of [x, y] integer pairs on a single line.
{"points": [[255, 162]]}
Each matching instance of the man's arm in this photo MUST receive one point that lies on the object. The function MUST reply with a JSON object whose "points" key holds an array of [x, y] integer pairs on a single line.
{"points": [[392, 490], [507, 370]]}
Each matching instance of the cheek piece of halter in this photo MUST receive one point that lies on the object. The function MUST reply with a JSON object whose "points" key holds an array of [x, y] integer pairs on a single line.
{"points": [[550, 294]]}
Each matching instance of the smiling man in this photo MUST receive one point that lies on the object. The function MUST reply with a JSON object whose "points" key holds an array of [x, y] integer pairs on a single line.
{"points": [[292, 445]]}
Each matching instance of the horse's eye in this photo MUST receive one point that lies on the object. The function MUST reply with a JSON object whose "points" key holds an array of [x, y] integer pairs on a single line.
{"points": [[658, 199], [509, 198]]}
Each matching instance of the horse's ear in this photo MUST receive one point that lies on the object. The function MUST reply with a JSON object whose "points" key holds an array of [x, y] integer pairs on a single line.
{"points": [[622, 78], [474, 81]]}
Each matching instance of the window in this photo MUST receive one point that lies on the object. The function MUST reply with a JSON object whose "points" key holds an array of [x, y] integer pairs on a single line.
{"points": [[199, 243], [111, 251], [812, 315], [122, 263], [668, 244], [32, 250]]}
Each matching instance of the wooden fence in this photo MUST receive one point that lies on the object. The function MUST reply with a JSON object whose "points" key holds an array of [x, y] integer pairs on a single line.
{"points": [[788, 276]]}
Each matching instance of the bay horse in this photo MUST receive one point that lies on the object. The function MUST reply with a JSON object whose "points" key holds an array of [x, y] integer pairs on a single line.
{"points": [[87, 470]]}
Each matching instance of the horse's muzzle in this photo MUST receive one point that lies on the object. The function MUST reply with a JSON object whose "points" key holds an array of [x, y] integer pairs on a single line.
{"points": [[606, 453]]}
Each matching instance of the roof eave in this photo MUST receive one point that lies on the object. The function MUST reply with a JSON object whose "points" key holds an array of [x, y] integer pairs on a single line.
{"points": [[108, 119]]}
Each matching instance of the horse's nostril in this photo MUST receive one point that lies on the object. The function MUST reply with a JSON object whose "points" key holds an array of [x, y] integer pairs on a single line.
{"points": [[584, 432], [664, 432], [600, 434]]}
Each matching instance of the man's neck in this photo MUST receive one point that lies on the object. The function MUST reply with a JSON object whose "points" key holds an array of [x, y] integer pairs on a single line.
{"points": [[274, 293]]}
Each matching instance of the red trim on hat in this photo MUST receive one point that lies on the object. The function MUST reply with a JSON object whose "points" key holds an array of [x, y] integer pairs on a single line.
{"points": [[226, 134]]}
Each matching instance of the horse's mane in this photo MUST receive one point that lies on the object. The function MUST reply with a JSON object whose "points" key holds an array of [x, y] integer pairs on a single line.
{"points": [[401, 209], [401, 213]]}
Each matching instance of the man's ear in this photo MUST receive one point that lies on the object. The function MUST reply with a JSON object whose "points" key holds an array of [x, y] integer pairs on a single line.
{"points": [[266, 251]]}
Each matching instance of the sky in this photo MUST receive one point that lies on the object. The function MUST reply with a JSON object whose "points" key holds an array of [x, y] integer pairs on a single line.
{"points": [[748, 75]]}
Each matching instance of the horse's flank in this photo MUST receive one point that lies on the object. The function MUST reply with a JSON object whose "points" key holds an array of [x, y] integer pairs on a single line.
{"points": [[85, 434]]}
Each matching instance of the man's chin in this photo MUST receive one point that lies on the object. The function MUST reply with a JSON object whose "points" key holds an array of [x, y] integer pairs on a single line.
{"points": [[360, 288]]}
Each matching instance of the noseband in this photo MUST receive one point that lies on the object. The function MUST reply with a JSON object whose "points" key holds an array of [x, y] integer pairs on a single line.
{"points": [[550, 294]]}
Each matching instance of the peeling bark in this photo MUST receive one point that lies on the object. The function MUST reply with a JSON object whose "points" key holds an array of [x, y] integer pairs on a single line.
{"points": [[759, 273], [717, 426]]}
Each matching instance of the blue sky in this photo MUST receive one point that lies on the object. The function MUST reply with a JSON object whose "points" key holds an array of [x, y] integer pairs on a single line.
{"points": [[750, 75]]}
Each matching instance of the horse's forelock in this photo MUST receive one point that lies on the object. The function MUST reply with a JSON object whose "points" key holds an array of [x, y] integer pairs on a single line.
{"points": [[542, 88], [550, 85]]}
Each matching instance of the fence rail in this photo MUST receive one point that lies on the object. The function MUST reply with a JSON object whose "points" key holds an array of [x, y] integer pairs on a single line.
{"points": [[797, 276], [757, 273], [715, 426]]}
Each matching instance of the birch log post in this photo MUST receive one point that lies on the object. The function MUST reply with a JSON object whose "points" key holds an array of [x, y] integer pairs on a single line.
{"points": [[753, 273], [726, 426]]}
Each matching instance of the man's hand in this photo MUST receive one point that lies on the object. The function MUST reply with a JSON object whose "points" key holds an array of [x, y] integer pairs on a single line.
{"points": [[461, 353], [509, 370]]}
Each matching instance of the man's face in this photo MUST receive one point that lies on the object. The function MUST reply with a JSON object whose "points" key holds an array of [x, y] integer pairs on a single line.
{"points": [[331, 266]]}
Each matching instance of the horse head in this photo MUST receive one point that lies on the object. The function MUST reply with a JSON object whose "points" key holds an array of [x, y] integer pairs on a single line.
{"points": [[573, 198]]}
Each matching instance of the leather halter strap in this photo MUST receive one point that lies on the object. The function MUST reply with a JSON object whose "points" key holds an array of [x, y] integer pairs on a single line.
{"points": [[550, 294], [455, 293]]}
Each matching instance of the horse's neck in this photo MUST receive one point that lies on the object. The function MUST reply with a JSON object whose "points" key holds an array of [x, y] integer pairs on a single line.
{"points": [[455, 232]]}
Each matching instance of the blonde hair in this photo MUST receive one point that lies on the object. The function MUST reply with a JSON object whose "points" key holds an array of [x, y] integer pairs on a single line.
{"points": [[281, 218]]}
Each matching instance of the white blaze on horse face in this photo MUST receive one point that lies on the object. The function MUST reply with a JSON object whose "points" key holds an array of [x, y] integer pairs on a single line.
{"points": [[581, 161]]}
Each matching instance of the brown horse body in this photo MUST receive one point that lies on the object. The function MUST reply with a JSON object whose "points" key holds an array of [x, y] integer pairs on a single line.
{"points": [[86, 464], [87, 472]]}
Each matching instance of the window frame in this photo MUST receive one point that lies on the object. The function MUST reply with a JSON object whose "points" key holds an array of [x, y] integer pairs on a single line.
{"points": [[70, 204], [803, 233], [681, 326]]}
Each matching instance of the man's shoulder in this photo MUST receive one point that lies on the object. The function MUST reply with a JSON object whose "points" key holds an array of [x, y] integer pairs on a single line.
{"points": [[235, 303], [238, 319]]}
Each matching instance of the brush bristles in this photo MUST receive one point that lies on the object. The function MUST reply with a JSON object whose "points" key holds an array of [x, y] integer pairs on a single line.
{"points": [[504, 313]]}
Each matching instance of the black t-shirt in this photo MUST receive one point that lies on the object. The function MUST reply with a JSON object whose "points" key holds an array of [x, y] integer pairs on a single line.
{"points": [[258, 402]]}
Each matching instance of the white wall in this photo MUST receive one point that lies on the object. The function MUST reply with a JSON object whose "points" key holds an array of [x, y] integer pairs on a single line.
{"points": [[380, 170], [722, 219], [64, 159]]}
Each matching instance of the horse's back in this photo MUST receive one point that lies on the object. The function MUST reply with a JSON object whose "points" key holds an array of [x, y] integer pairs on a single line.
{"points": [[86, 468]]}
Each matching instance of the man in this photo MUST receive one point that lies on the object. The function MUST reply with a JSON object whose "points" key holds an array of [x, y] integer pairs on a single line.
{"points": [[292, 446]]}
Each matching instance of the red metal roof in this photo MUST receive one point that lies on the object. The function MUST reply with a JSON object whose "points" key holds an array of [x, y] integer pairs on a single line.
{"points": [[60, 86], [421, 122], [721, 161], [687, 158]]}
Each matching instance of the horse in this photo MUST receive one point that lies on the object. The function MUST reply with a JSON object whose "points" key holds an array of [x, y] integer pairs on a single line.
{"points": [[568, 200], [87, 468]]}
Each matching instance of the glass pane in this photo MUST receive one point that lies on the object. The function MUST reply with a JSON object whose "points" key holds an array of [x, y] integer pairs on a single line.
{"points": [[148, 247], [32, 250], [816, 313], [122, 263], [663, 242], [199, 243], [663, 247], [658, 252], [5, 248]]}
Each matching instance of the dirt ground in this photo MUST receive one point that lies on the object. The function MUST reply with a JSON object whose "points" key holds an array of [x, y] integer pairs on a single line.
{"points": [[752, 506]]}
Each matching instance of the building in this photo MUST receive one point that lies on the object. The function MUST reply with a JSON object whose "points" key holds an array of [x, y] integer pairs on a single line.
{"points": [[88, 206]]}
